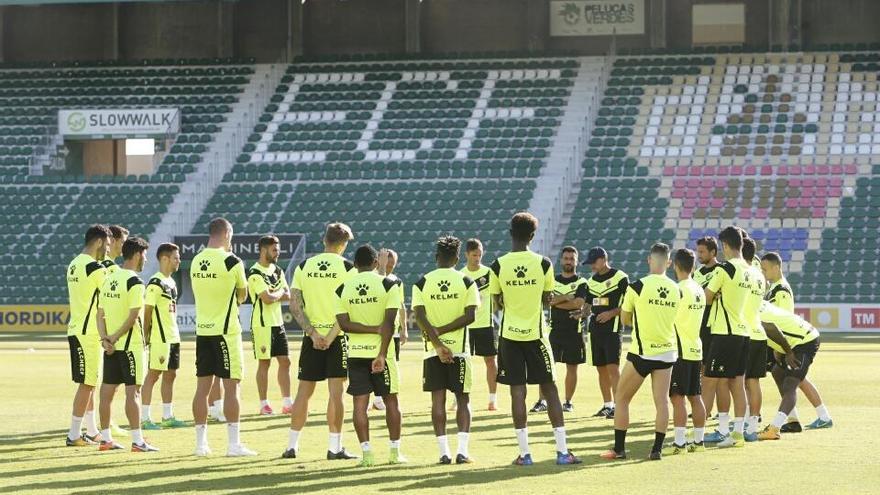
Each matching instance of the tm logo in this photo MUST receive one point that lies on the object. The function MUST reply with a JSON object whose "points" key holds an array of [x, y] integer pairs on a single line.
{"points": [[444, 286], [76, 121], [662, 292], [570, 13], [362, 289], [520, 272]]}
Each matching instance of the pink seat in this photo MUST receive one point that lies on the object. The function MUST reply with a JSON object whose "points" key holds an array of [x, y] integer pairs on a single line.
{"points": [[761, 213], [717, 202], [809, 170], [818, 212], [835, 182], [690, 203], [679, 183], [836, 169], [710, 170], [681, 171], [723, 170], [823, 169], [791, 203], [835, 192], [766, 170], [695, 171], [693, 182], [736, 170], [851, 169], [721, 183], [748, 170], [745, 213], [668, 171], [808, 182], [794, 170], [678, 193], [794, 182], [822, 182], [808, 191], [692, 193], [706, 183], [687, 213], [818, 203]]}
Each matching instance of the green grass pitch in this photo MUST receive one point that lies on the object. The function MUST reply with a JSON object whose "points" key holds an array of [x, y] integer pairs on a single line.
{"points": [[36, 391]]}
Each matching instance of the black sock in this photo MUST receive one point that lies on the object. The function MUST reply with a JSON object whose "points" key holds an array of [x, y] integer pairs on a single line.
{"points": [[620, 441], [658, 441]]}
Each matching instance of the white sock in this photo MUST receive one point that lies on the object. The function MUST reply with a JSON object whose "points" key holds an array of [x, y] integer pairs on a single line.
{"points": [[561, 443], [443, 444], [463, 439], [212, 410], [609, 405], [522, 438], [822, 411], [145, 413], [335, 442], [543, 402], [218, 407], [724, 423], [753, 424], [286, 401], [264, 403], [201, 436], [365, 446], [293, 440], [394, 444], [75, 427], [780, 419], [232, 431], [167, 411], [793, 415], [106, 435], [89, 421], [137, 436], [738, 425], [493, 398], [680, 435], [699, 433]]}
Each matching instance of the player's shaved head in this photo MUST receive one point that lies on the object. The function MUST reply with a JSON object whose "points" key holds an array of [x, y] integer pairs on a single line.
{"points": [[366, 257], [523, 226], [118, 231], [219, 226]]}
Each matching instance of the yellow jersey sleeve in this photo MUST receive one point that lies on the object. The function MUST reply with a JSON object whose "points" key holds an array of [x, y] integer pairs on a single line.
{"points": [[257, 285], [341, 306], [153, 293], [494, 282], [473, 293], [395, 296], [549, 277], [240, 277], [417, 296], [135, 294], [297, 279], [717, 281], [629, 300]]}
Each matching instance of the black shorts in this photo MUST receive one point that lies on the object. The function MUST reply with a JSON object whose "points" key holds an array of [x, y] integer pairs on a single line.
{"points": [[728, 356], [317, 365], [757, 365], [455, 376], [362, 380], [605, 347], [219, 355], [805, 354], [568, 348], [522, 362], [706, 339], [644, 367], [396, 348], [121, 368], [269, 342], [174, 357], [483, 342], [686, 378]]}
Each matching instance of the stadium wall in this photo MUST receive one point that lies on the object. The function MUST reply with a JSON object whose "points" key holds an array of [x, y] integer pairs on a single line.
{"points": [[271, 29]]}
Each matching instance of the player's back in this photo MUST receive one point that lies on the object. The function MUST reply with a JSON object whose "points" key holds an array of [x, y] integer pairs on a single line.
{"points": [[480, 276], [522, 277], [795, 329], [121, 292], [752, 308], [445, 293], [364, 298], [732, 289], [318, 278], [215, 275], [161, 293], [84, 278], [688, 321], [654, 311], [781, 295]]}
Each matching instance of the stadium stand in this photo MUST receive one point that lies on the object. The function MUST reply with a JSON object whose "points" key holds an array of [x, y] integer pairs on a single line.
{"points": [[46, 215], [778, 143], [400, 150]]}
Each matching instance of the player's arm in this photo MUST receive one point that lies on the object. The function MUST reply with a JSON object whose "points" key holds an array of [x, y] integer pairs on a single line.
{"points": [[612, 313], [296, 309], [774, 334], [148, 322], [349, 326], [469, 316], [628, 307], [386, 330], [428, 330], [714, 285], [568, 302], [133, 314], [404, 324], [241, 293]]}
